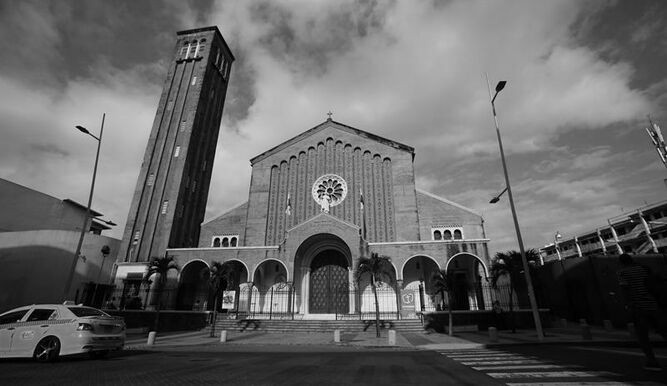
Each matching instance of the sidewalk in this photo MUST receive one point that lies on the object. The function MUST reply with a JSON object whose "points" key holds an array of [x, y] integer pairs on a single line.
{"points": [[256, 338], [407, 340]]}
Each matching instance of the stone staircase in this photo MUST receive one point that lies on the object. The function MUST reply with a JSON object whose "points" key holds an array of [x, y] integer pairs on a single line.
{"points": [[277, 325]]}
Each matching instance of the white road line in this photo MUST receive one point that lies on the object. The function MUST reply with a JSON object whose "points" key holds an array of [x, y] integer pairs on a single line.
{"points": [[500, 354], [491, 358], [552, 374], [521, 362], [523, 367], [633, 353], [592, 383]]}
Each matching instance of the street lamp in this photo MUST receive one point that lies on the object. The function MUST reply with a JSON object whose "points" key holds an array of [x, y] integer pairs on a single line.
{"points": [[75, 260], [557, 238], [497, 198], [531, 294]]}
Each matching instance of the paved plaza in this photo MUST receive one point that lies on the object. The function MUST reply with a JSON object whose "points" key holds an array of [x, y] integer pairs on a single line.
{"points": [[259, 358]]}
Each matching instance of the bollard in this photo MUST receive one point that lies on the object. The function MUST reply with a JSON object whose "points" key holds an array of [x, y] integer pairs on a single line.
{"points": [[336, 336], [392, 337], [493, 334], [586, 332], [223, 336], [563, 323], [631, 329], [607, 325], [151, 338]]}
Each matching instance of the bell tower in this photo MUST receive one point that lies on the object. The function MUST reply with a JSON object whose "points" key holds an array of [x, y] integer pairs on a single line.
{"points": [[170, 197]]}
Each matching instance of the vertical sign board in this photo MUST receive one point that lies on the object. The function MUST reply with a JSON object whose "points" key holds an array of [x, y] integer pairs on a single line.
{"points": [[408, 303], [228, 300]]}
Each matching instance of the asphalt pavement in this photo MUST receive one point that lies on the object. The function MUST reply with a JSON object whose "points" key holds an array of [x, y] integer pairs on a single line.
{"points": [[564, 357]]}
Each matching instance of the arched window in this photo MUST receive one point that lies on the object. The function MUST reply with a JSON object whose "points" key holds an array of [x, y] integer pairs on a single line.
{"points": [[233, 243], [437, 235], [216, 242], [457, 234], [184, 50], [447, 235], [193, 48], [225, 242], [200, 47]]}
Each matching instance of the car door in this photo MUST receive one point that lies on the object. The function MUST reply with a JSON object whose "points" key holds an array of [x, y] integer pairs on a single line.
{"points": [[8, 324], [30, 331]]}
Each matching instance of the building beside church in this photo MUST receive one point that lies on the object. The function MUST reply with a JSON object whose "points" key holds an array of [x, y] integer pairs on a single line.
{"points": [[640, 231], [316, 204], [38, 237]]}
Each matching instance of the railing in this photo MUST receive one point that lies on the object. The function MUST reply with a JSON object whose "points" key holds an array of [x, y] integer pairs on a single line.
{"points": [[282, 301]]}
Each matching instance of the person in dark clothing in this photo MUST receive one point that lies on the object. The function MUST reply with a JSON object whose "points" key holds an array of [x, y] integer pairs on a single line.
{"points": [[642, 305]]}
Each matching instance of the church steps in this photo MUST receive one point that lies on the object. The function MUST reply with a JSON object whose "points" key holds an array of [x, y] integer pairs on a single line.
{"points": [[266, 325]]}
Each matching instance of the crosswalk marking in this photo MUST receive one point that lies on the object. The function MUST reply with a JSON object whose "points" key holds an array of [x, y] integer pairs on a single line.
{"points": [[497, 363], [520, 367], [551, 374], [528, 370], [490, 357]]}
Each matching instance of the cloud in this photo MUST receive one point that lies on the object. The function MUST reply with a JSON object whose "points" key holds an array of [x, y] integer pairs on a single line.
{"points": [[408, 71]]}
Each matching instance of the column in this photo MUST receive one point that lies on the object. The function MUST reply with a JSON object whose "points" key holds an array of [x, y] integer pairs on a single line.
{"points": [[399, 288], [351, 286], [648, 231], [306, 289]]}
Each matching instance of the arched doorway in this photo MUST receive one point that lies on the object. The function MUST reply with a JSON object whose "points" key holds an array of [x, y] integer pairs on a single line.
{"points": [[322, 274], [468, 274], [193, 293], [329, 283]]}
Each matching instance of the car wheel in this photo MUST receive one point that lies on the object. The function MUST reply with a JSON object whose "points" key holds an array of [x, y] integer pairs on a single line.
{"points": [[99, 354], [47, 350]]}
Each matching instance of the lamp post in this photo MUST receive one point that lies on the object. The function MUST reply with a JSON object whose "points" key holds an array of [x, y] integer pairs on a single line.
{"points": [[531, 293], [497, 198], [75, 260]]}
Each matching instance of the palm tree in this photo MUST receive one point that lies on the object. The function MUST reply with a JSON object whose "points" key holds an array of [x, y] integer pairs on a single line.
{"points": [[221, 278], [510, 264], [160, 266], [441, 283], [376, 266]]}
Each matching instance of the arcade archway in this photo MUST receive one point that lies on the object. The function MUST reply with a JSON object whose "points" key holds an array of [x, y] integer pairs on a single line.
{"points": [[467, 274], [193, 293]]}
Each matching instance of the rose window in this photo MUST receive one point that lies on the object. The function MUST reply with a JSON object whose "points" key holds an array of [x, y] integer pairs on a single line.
{"points": [[331, 187]]}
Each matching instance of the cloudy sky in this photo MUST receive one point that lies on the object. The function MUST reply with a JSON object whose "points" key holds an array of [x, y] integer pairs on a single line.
{"points": [[582, 77]]}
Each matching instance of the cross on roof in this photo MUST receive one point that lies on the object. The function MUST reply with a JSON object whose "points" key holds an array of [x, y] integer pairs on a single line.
{"points": [[329, 114]]}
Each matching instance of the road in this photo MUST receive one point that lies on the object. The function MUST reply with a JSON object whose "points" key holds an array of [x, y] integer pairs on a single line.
{"points": [[324, 365]]}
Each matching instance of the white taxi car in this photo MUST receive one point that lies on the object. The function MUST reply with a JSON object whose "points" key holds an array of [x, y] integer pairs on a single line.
{"points": [[45, 331]]}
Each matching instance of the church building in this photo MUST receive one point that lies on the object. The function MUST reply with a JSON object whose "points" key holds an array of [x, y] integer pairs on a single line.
{"points": [[316, 204]]}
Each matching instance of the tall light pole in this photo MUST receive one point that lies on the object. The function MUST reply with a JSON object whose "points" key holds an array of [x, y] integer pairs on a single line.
{"points": [[84, 227], [531, 292]]}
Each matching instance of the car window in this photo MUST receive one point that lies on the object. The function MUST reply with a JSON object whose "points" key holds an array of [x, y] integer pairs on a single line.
{"points": [[13, 317], [41, 314], [86, 311]]}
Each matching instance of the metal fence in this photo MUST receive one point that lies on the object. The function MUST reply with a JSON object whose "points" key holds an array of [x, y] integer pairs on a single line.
{"points": [[282, 301]]}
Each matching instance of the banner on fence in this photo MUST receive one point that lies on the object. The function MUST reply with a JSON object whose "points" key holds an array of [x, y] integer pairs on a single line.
{"points": [[408, 302], [228, 300]]}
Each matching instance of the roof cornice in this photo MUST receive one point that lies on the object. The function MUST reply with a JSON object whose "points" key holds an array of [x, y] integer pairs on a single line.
{"points": [[338, 125]]}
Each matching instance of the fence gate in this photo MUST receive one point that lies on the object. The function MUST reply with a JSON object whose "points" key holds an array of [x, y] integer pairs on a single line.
{"points": [[329, 290]]}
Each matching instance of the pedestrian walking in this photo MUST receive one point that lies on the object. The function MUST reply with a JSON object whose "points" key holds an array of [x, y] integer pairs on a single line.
{"points": [[642, 305]]}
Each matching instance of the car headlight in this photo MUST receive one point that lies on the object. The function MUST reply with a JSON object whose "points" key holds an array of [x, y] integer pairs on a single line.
{"points": [[85, 327]]}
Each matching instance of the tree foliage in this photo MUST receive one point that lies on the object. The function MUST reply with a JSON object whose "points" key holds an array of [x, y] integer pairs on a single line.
{"points": [[376, 267]]}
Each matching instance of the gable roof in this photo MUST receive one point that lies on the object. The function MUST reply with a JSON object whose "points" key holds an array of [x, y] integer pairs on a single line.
{"points": [[446, 201], [331, 123]]}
